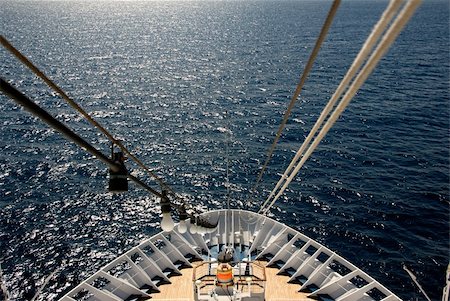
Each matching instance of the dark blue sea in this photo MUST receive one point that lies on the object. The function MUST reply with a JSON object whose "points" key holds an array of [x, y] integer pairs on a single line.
{"points": [[168, 77]]}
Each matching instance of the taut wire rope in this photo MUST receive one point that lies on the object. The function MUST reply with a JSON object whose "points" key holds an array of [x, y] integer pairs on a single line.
{"points": [[356, 65], [36, 110], [386, 41], [306, 71], [24, 60], [227, 179]]}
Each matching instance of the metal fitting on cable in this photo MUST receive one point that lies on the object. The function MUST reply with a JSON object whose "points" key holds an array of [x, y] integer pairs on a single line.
{"points": [[194, 227], [167, 223], [183, 216], [118, 180]]}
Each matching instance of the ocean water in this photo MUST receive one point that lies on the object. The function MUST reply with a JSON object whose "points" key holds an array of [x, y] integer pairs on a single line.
{"points": [[168, 77]]}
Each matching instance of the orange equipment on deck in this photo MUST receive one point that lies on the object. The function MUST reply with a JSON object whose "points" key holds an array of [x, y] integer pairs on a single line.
{"points": [[224, 274]]}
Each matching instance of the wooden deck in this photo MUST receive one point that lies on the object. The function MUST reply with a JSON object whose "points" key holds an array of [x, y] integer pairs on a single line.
{"points": [[277, 288], [181, 288]]}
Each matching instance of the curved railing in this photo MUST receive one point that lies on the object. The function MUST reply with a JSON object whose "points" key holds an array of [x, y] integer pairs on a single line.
{"points": [[315, 268]]}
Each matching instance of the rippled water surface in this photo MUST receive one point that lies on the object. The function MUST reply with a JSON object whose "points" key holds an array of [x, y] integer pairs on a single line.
{"points": [[168, 77]]}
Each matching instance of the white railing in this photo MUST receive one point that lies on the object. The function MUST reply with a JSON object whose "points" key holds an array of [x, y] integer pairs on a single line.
{"points": [[336, 287]]}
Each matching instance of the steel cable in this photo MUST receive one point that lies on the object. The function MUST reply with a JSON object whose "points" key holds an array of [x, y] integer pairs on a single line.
{"points": [[386, 41], [299, 87]]}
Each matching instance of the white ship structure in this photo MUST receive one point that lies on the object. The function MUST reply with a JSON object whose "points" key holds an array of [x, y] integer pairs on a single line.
{"points": [[267, 260], [233, 254]]}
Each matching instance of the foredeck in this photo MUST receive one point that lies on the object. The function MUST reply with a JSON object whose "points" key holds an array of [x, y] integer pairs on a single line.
{"points": [[180, 289], [277, 287], [272, 262]]}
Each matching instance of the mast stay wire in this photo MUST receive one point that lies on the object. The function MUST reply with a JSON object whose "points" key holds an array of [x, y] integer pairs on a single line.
{"points": [[227, 177], [36, 110], [24, 60], [387, 39], [306, 71], [227, 155], [387, 16]]}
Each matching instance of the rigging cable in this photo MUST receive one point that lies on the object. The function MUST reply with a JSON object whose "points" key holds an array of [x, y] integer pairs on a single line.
{"points": [[306, 71], [24, 60], [3, 287], [36, 110], [414, 279], [386, 41], [227, 179], [379, 28]]}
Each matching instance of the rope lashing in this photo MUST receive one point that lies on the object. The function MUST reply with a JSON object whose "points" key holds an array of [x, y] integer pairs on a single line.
{"points": [[386, 41], [308, 67]]}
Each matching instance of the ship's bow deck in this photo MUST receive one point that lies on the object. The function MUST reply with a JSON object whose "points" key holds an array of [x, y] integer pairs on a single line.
{"points": [[271, 261]]}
